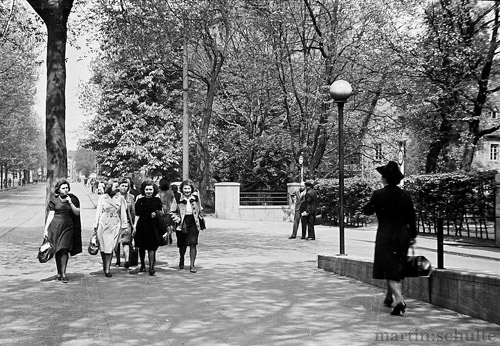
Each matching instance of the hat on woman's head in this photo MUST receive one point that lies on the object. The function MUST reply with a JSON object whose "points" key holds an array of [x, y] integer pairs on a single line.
{"points": [[391, 172], [309, 182]]}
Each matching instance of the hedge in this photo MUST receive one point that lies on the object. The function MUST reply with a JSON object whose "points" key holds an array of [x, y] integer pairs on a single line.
{"points": [[456, 197]]}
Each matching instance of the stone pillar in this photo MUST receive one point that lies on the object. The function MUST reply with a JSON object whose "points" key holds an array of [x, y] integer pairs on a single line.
{"points": [[497, 210], [227, 200]]}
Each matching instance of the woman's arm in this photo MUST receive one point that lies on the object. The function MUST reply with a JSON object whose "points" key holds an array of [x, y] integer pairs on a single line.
{"points": [[50, 217], [98, 212], [74, 208]]}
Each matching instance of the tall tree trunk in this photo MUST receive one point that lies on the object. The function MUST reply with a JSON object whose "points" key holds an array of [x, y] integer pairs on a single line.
{"points": [[203, 135], [437, 146], [55, 14]]}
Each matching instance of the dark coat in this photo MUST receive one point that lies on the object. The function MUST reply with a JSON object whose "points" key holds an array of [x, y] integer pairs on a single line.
{"points": [[77, 228], [396, 227], [149, 231], [310, 202]]}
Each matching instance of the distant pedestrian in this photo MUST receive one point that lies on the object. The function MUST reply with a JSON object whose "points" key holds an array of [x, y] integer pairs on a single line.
{"points": [[308, 210], [110, 220], [166, 196], [298, 198], [133, 191], [125, 236], [186, 213], [148, 209], [396, 231], [100, 187], [63, 227]]}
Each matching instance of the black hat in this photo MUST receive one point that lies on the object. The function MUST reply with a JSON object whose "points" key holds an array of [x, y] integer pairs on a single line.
{"points": [[309, 182], [391, 172]]}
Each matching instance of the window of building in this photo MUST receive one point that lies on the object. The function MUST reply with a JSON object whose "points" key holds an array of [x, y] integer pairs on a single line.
{"points": [[494, 114], [378, 151], [494, 152]]}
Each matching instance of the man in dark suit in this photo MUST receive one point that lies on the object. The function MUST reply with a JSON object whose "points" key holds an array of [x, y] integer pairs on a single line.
{"points": [[298, 197], [309, 210]]}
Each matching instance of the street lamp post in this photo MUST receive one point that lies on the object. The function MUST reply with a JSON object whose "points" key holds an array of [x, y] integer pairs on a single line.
{"points": [[301, 163], [340, 91]]}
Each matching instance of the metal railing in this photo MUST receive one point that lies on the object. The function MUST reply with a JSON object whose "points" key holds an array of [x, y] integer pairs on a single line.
{"points": [[278, 198]]}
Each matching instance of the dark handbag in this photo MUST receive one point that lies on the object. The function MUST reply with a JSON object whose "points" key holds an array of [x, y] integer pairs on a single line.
{"points": [[134, 255], [202, 223], [93, 248], [416, 265], [45, 251]]}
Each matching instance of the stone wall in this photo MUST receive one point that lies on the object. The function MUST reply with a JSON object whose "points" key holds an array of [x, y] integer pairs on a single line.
{"points": [[472, 294]]}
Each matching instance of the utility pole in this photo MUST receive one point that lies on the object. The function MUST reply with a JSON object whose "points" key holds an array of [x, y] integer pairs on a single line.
{"points": [[185, 115]]}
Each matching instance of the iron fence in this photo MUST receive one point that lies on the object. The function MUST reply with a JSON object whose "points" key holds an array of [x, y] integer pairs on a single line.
{"points": [[264, 197], [472, 217]]}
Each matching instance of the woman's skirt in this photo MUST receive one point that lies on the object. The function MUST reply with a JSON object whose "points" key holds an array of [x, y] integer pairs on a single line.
{"points": [[190, 237], [61, 232]]}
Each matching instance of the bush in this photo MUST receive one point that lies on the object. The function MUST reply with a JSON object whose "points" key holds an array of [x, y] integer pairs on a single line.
{"points": [[451, 196], [357, 192]]}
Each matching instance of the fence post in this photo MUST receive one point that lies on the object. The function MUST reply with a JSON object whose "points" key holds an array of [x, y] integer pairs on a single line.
{"points": [[497, 209], [440, 243]]}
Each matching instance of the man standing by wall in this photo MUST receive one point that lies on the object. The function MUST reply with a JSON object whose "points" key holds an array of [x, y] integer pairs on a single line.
{"points": [[308, 208], [298, 197]]}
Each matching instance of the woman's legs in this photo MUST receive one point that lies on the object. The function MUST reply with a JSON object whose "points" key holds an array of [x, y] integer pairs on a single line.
{"points": [[126, 254], [58, 264], [396, 287], [388, 295], [192, 257], [61, 264], [117, 254], [152, 260], [182, 253], [142, 256], [106, 263]]}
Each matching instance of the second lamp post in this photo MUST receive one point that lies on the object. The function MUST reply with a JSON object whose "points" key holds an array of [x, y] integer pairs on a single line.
{"points": [[340, 91]]}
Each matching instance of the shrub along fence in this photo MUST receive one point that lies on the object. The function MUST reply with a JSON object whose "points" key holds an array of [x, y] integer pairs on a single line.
{"points": [[465, 202]]}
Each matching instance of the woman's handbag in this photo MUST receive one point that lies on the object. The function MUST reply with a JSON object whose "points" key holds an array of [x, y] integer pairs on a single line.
{"points": [[134, 255], [45, 252], [202, 223], [93, 245], [416, 265]]}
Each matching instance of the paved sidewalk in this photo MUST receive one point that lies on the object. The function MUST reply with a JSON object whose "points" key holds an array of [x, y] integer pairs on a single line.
{"points": [[253, 287]]}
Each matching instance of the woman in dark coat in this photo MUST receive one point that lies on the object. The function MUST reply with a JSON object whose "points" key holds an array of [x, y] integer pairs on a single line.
{"points": [[149, 230], [63, 227], [396, 231]]}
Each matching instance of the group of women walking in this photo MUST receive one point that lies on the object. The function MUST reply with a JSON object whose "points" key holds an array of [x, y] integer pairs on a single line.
{"points": [[122, 218], [125, 217]]}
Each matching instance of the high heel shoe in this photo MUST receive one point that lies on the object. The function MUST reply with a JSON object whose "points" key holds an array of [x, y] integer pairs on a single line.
{"points": [[58, 277], [192, 269], [143, 268], [388, 301], [64, 279], [399, 309], [108, 275], [152, 271]]}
